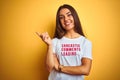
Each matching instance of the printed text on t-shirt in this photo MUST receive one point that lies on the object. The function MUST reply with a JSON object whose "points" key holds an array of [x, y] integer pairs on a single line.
{"points": [[69, 49]]}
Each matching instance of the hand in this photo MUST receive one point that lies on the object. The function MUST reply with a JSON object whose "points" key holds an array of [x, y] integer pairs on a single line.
{"points": [[45, 37]]}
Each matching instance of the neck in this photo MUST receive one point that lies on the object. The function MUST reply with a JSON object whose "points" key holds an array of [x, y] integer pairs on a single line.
{"points": [[72, 34]]}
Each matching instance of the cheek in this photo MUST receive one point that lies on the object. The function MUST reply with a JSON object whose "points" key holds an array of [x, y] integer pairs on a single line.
{"points": [[62, 22], [73, 21]]}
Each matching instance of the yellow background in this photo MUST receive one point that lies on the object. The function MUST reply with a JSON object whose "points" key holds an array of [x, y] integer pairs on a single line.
{"points": [[22, 52]]}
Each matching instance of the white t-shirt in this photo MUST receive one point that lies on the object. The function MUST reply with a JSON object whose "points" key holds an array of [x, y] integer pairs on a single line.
{"points": [[70, 52]]}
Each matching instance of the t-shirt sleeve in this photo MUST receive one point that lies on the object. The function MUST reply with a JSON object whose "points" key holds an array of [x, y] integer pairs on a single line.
{"points": [[54, 43], [87, 49]]}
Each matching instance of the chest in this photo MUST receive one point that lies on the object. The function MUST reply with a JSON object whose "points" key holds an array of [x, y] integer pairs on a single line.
{"points": [[69, 53]]}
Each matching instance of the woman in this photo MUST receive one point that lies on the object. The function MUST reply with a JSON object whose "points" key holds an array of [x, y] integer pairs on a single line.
{"points": [[69, 52]]}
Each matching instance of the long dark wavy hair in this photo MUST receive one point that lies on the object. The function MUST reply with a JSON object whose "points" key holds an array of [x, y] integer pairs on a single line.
{"points": [[59, 31]]}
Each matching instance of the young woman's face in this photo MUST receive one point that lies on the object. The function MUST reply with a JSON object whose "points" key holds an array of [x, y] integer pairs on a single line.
{"points": [[66, 19]]}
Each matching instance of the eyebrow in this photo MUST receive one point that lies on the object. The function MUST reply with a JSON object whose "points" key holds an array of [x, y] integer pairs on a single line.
{"points": [[66, 13]]}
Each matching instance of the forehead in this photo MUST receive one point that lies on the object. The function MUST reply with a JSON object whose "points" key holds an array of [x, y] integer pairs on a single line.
{"points": [[64, 11]]}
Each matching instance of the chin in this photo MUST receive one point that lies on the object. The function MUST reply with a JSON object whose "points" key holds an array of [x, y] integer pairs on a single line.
{"points": [[69, 27]]}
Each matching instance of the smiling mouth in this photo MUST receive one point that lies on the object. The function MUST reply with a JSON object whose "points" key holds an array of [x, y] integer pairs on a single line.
{"points": [[67, 23]]}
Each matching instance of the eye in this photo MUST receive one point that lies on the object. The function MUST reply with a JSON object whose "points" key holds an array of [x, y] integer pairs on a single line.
{"points": [[69, 15], [61, 17]]}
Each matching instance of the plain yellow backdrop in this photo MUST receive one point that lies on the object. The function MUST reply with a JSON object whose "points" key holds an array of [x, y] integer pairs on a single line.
{"points": [[22, 52]]}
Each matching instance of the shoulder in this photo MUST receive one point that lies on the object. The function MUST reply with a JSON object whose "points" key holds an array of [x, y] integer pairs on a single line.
{"points": [[86, 41], [55, 40]]}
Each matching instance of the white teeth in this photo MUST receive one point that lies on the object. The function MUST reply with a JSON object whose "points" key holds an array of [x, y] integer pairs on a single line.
{"points": [[67, 23]]}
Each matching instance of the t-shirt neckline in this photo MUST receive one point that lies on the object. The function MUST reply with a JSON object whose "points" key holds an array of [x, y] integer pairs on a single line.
{"points": [[72, 38]]}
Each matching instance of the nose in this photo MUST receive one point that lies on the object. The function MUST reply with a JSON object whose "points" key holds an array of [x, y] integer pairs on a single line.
{"points": [[66, 18]]}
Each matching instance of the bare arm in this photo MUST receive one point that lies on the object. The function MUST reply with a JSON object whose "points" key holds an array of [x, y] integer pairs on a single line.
{"points": [[84, 69], [49, 56]]}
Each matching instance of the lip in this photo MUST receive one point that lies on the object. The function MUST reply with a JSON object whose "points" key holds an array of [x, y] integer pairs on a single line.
{"points": [[67, 23]]}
